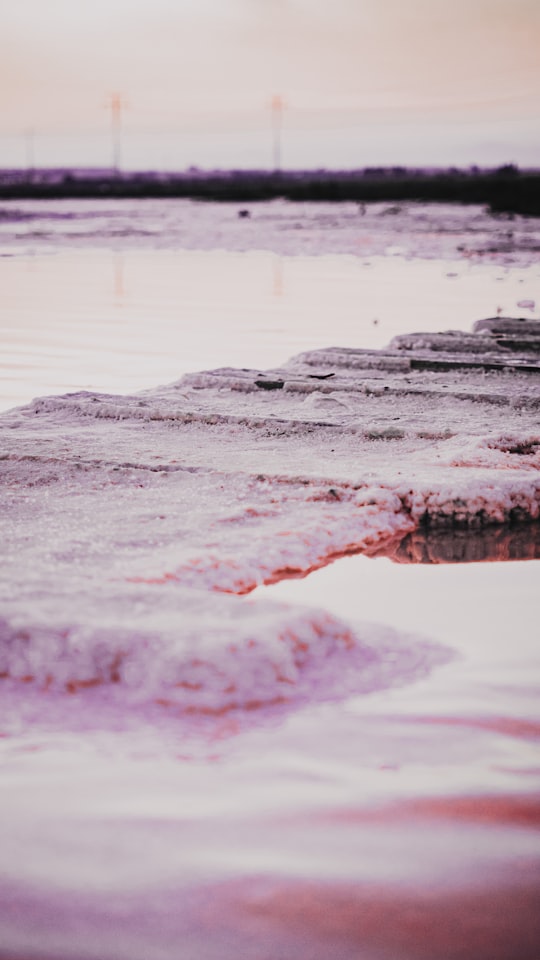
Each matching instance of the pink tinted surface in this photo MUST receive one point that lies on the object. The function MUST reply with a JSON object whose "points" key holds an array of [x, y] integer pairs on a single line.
{"points": [[401, 823], [135, 295]]}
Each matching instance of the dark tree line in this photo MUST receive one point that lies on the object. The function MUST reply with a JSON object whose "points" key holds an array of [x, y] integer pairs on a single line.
{"points": [[506, 189]]}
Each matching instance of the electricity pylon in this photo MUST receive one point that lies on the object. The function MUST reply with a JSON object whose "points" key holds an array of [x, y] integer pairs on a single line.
{"points": [[277, 104], [116, 104], [29, 138]]}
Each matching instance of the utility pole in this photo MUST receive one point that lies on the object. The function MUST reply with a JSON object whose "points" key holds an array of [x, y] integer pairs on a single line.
{"points": [[277, 104], [116, 104], [29, 136]]}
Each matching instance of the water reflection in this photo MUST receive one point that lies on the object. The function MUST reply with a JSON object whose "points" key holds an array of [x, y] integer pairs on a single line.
{"points": [[185, 311], [492, 543], [119, 290], [277, 277]]}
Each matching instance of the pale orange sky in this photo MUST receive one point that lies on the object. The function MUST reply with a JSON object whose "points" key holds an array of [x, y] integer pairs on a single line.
{"points": [[361, 78]]}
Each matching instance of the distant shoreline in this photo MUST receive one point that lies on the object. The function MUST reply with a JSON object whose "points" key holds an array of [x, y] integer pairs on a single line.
{"points": [[504, 190]]}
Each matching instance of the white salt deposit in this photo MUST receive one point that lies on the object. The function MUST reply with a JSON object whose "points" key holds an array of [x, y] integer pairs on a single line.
{"points": [[127, 517], [437, 230]]}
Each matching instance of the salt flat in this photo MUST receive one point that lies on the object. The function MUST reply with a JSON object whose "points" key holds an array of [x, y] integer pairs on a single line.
{"points": [[204, 757]]}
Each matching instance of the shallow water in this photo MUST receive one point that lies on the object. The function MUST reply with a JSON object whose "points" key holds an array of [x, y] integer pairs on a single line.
{"points": [[119, 297], [398, 823], [352, 827]]}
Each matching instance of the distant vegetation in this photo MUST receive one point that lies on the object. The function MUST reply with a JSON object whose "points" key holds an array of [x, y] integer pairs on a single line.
{"points": [[505, 189]]}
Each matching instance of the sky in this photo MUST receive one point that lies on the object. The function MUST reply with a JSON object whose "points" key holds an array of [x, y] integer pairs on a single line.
{"points": [[363, 82]]}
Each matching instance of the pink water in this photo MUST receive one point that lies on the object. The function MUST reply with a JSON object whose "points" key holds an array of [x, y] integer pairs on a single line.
{"points": [[404, 822]]}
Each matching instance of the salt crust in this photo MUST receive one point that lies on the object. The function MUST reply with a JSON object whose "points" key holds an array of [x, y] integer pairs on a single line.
{"points": [[128, 519], [428, 231]]}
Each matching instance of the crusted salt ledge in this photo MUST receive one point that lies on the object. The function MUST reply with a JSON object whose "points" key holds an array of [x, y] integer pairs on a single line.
{"points": [[180, 648], [126, 519]]}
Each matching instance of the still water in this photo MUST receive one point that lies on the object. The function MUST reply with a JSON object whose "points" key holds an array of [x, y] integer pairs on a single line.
{"points": [[121, 321], [402, 824]]}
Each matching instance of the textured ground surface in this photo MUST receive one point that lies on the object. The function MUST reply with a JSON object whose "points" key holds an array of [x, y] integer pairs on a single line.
{"points": [[119, 511]]}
